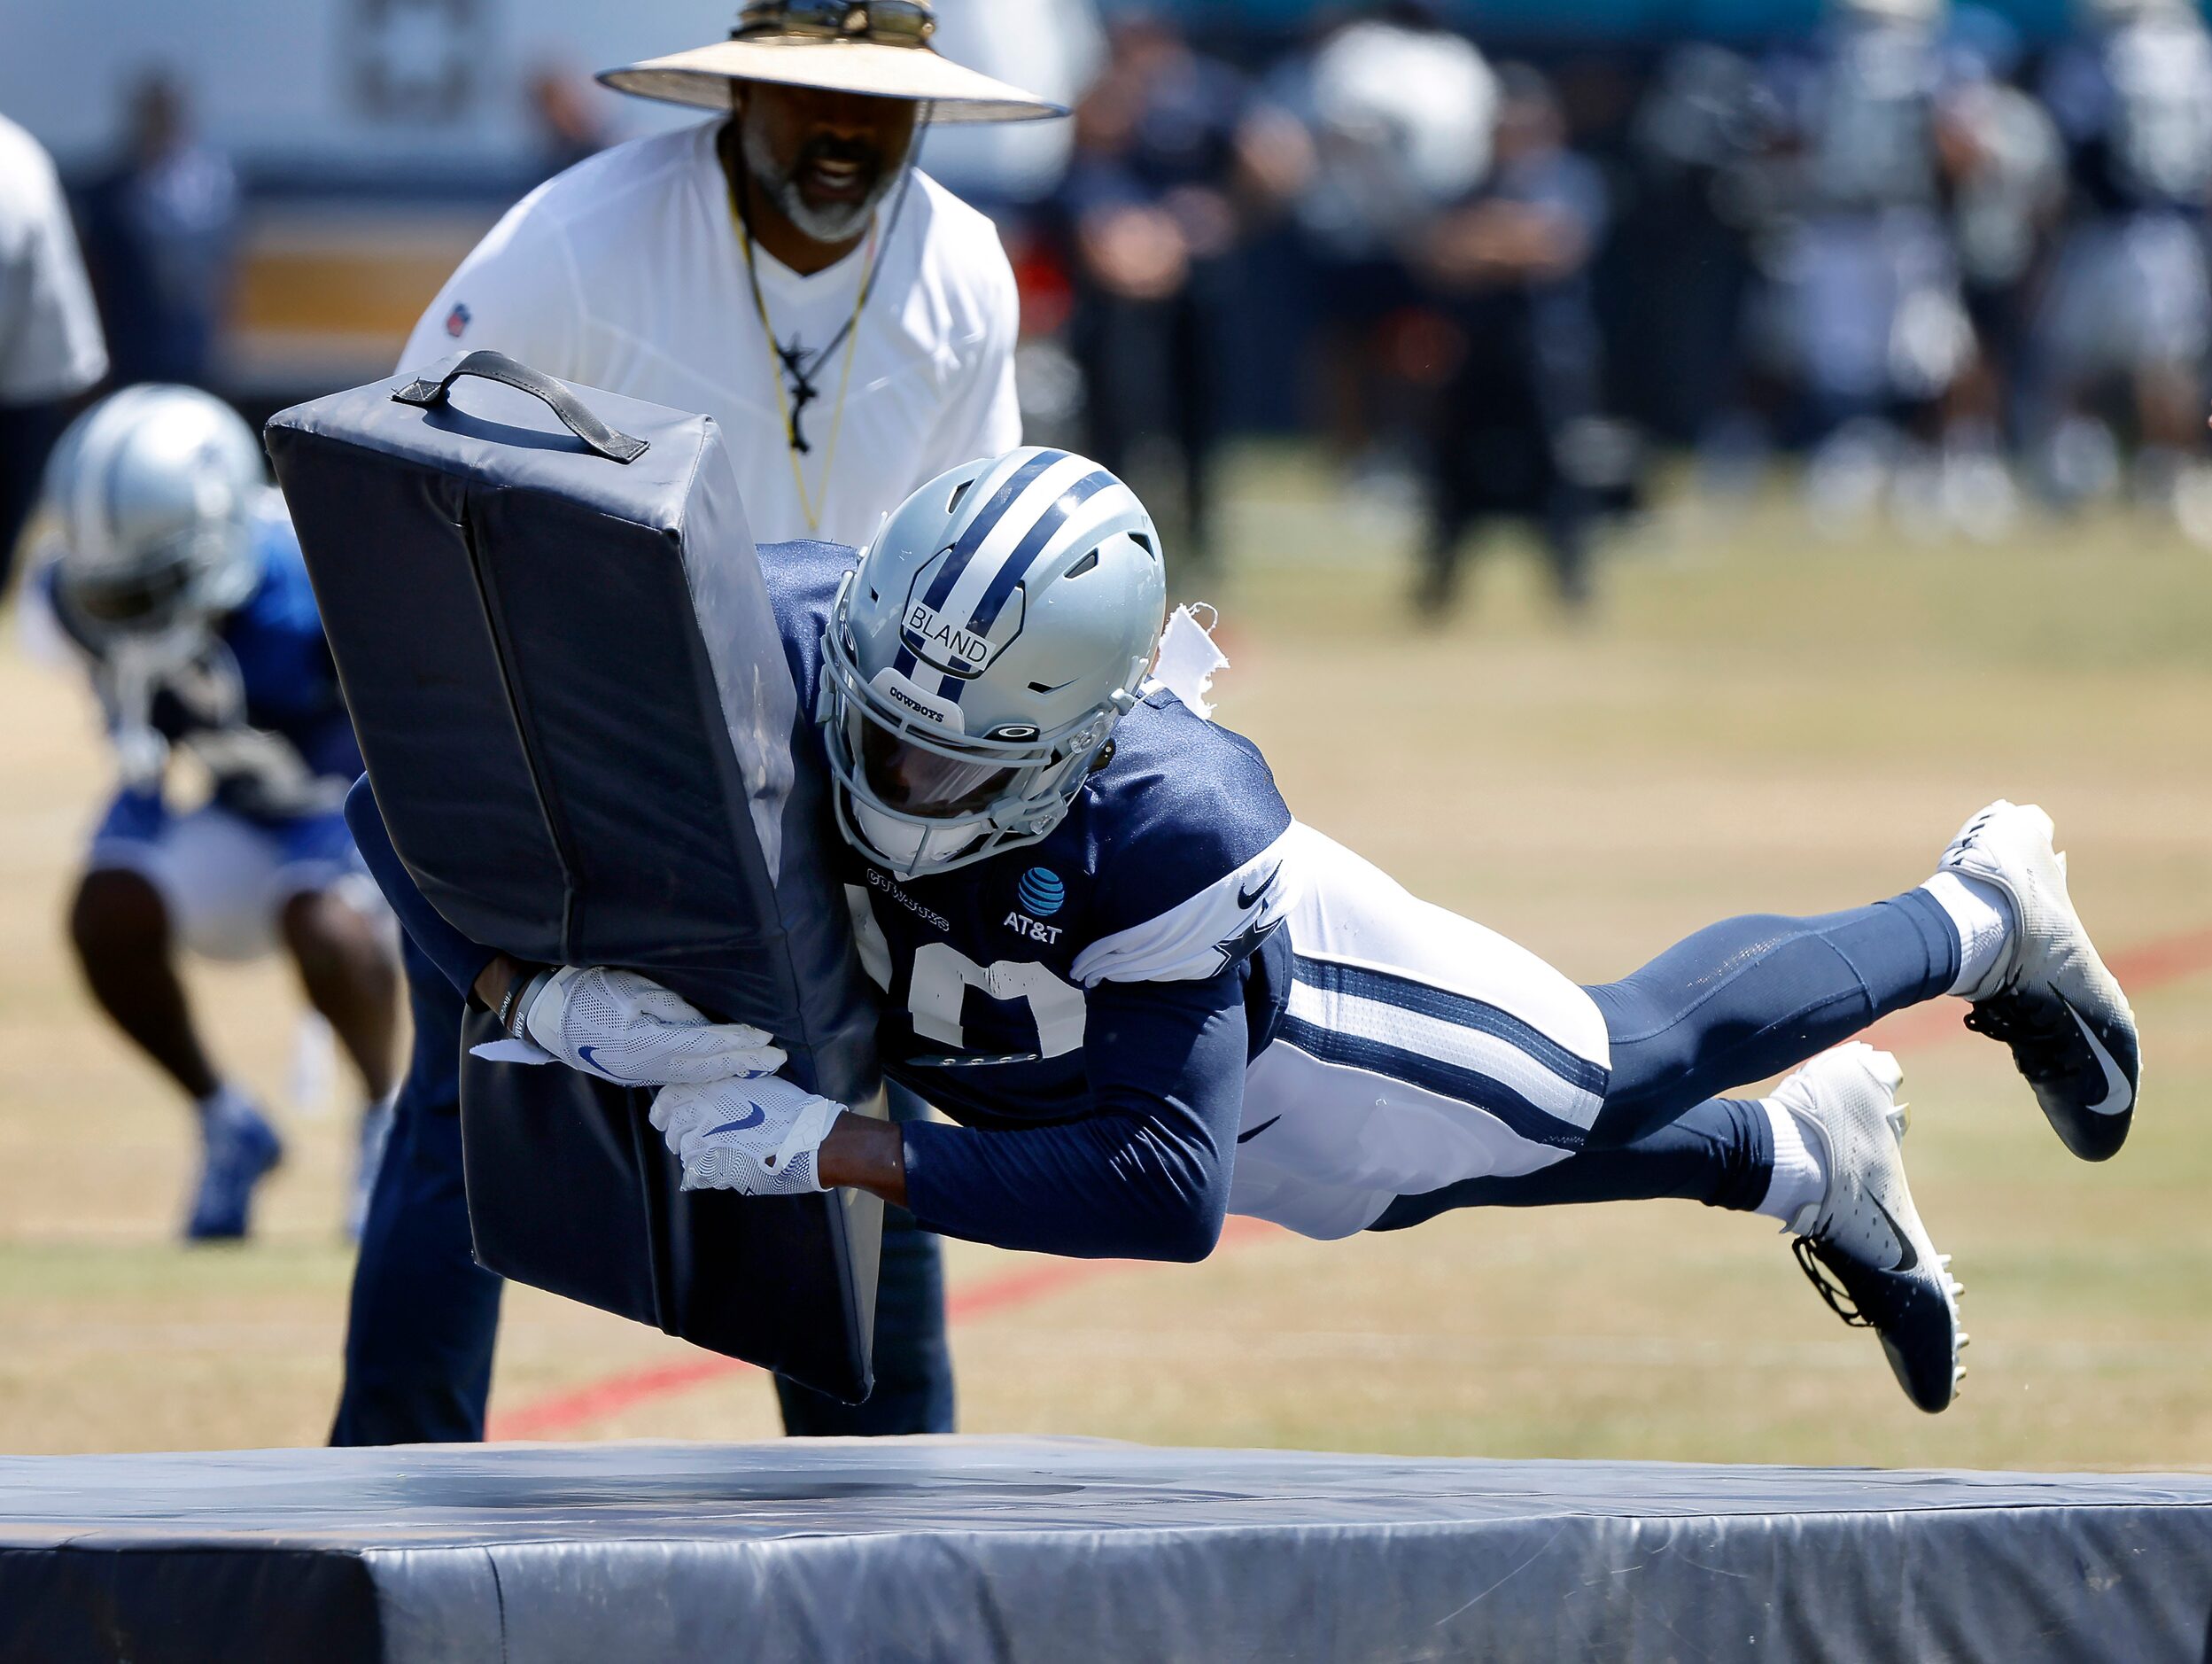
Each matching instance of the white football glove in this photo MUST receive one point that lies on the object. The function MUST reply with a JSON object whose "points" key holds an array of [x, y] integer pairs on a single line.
{"points": [[758, 1138], [628, 1029]]}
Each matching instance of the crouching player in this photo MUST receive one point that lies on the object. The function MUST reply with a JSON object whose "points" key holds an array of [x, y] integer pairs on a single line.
{"points": [[179, 581], [1150, 997]]}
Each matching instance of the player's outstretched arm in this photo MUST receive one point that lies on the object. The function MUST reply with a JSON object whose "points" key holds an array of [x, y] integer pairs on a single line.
{"points": [[1144, 1175], [461, 960]]}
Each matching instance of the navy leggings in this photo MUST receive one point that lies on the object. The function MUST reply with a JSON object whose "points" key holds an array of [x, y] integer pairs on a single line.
{"points": [[1736, 1002]]}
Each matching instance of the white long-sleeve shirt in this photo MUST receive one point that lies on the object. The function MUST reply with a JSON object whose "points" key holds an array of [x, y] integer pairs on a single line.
{"points": [[627, 273]]}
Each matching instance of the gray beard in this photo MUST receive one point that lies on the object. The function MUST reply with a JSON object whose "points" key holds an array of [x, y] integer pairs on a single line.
{"points": [[839, 223]]}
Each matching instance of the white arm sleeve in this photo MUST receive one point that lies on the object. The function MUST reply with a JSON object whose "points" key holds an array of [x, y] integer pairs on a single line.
{"points": [[1203, 936], [515, 293]]}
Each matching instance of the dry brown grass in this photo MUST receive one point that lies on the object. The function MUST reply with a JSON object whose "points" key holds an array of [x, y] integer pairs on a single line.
{"points": [[1758, 720]]}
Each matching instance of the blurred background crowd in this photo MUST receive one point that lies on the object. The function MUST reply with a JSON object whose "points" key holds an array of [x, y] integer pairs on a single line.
{"points": [[1499, 261]]}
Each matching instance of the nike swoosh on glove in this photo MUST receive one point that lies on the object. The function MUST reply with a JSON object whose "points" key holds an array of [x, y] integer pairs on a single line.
{"points": [[759, 1137], [628, 1029]]}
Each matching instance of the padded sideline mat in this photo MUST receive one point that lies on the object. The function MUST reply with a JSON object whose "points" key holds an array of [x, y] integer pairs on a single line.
{"points": [[975, 1548]]}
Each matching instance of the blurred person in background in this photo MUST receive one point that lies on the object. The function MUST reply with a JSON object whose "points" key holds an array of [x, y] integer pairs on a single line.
{"points": [[161, 234], [52, 350], [850, 325], [173, 571], [2002, 156], [1014, 171], [2129, 308], [1866, 291], [1513, 266], [570, 126], [1170, 165], [1697, 141], [1052, 48], [1400, 111]]}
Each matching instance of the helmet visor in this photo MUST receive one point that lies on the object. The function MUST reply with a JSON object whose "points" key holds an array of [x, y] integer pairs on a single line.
{"points": [[918, 781], [145, 599]]}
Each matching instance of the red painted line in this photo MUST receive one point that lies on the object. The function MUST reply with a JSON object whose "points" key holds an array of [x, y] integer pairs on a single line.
{"points": [[596, 1401], [2146, 965]]}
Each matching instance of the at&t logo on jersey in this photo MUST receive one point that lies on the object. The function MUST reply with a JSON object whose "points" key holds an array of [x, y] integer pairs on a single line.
{"points": [[1041, 894], [1040, 891]]}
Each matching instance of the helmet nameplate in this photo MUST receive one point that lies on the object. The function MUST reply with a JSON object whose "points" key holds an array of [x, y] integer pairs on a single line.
{"points": [[958, 647]]}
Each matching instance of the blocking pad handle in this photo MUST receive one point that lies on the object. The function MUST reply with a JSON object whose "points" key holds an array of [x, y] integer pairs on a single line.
{"points": [[491, 366]]}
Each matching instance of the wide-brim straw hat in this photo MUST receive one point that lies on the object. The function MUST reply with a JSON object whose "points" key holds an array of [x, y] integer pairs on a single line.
{"points": [[702, 75]]}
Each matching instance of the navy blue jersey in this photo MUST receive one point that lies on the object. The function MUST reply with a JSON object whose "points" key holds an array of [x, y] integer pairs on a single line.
{"points": [[1084, 1007], [987, 969], [258, 702]]}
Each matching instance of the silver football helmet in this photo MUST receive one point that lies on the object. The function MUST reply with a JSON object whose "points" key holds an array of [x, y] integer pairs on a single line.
{"points": [[975, 663], [150, 495]]}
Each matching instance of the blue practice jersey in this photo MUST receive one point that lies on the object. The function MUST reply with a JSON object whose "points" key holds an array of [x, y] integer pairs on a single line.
{"points": [[258, 702], [1084, 1007]]}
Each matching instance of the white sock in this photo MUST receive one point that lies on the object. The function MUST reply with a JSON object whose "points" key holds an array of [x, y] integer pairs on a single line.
{"points": [[1800, 1178], [1982, 915]]}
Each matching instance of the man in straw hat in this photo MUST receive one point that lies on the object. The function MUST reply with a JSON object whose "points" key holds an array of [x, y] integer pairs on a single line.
{"points": [[850, 324]]}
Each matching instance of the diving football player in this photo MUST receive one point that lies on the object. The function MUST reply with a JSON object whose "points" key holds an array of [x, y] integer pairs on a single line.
{"points": [[1150, 997]]}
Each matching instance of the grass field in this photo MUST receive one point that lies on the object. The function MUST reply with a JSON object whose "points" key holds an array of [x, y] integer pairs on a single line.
{"points": [[1758, 719]]}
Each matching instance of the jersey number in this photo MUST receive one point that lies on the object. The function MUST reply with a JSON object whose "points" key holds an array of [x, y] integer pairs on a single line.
{"points": [[943, 975]]}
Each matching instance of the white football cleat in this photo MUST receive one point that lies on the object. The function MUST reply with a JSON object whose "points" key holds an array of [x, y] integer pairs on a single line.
{"points": [[2054, 1003], [1884, 1271]]}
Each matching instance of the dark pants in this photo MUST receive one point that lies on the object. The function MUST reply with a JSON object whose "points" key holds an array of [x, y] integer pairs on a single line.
{"points": [[1738, 1001], [1719, 1154], [1529, 372], [27, 434], [424, 1314], [1149, 370]]}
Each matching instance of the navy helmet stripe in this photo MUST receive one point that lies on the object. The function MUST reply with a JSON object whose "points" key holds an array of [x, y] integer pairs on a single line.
{"points": [[1361, 981], [903, 661], [984, 524], [950, 688], [1018, 564], [1447, 1080]]}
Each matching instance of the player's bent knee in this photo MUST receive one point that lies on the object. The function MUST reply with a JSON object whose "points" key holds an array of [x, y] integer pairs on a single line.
{"points": [[1194, 1238], [116, 914], [329, 937], [1624, 1119]]}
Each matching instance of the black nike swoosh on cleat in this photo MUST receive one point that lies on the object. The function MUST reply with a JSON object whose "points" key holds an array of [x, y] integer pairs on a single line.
{"points": [[1912, 1255], [1246, 897], [1246, 1138]]}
